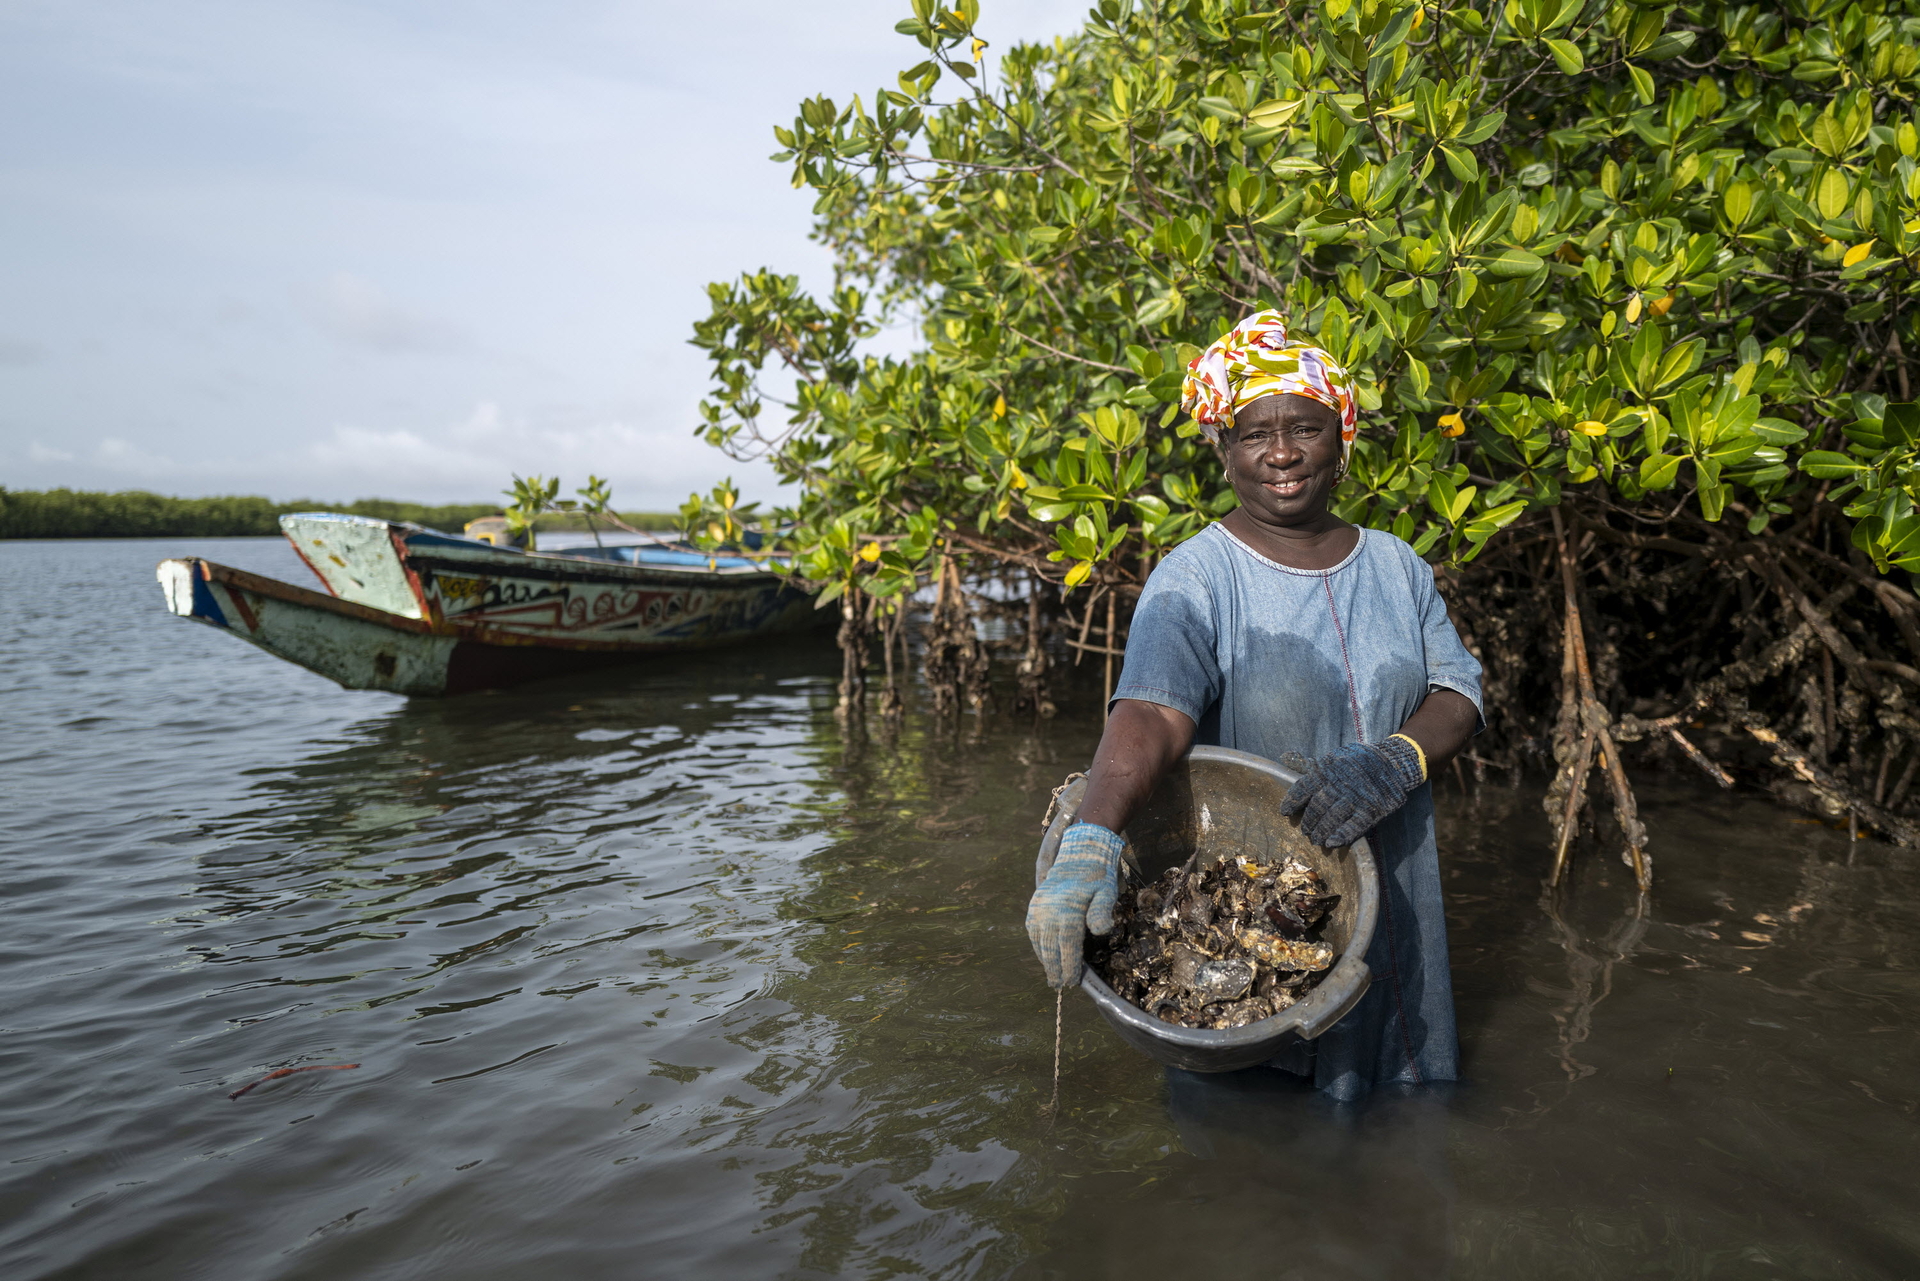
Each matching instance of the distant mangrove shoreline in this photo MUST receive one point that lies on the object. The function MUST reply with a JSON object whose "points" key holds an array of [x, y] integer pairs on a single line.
{"points": [[136, 513]]}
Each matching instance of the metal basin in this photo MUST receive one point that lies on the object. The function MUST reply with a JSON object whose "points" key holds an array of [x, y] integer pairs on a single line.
{"points": [[1227, 803]]}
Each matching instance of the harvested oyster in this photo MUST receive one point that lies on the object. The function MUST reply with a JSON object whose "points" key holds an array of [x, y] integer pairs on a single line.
{"points": [[1183, 968], [1218, 946], [1241, 1013], [1222, 981], [1284, 954]]}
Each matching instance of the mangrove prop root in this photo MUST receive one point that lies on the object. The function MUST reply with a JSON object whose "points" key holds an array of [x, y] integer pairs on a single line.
{"points": [[1626, 809], [1839, 798], [856, 619], [1700, 758], [1581, 707], [892, 705], [1034, 662], [1574, 781], [955, 660], [312, 1067], [1608, 638]]}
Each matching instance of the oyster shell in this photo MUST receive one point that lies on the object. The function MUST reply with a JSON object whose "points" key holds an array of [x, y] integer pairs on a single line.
{"points": [[1218, 946], [1197, 911], [1184, 971], [1221, 981], [1285, 954], [1241, 1013]]}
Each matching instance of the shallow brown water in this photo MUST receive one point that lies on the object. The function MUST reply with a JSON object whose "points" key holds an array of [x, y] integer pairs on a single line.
{"points": [[659, 975]]}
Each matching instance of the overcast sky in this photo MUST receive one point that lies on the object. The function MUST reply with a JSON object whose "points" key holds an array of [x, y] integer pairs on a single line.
{"points": [[325, 249]]}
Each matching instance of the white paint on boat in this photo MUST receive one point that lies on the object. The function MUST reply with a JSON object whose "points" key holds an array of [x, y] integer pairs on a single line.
{"points": [[356, 558], [176, 580]]}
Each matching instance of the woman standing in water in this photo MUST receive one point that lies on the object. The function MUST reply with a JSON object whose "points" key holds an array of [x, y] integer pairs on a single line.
{"points": [[1284, 630]]}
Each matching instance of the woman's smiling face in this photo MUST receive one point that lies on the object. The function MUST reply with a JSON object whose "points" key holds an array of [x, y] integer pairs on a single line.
{"points": [[1283, 458]]}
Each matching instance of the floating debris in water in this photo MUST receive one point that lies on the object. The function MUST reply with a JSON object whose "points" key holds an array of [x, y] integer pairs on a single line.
{"points": [[311, 1067], [1219, 946]]}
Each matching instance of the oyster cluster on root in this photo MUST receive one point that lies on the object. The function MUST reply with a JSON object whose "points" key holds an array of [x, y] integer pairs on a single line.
{"points": [[1218, 946]]}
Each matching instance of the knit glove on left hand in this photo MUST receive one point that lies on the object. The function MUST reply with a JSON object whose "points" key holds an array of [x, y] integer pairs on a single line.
{"points": [[1343, 794], [1078, 895]]}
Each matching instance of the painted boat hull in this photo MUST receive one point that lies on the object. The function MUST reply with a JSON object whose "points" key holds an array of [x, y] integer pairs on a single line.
{"points": [[419, 613]]}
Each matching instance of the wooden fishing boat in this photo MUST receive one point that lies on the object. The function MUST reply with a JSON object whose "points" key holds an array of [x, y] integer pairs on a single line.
{"points": [[416, 611]]}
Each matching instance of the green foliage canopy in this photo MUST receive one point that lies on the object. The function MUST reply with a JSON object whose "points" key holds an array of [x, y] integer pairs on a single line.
{"points": [[1657, 257]]}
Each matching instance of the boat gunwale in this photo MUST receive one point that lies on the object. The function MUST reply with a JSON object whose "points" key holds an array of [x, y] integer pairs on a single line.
{"points": [[293, 594], [559, 566], [461, 548]]}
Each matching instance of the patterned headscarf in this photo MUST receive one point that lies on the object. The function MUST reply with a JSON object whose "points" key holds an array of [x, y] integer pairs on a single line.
{"points": [[1254, 359]]}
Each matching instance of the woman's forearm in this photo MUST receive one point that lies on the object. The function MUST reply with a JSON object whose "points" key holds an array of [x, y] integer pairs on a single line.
{"points": [[1442, 724], [1141, 742]]}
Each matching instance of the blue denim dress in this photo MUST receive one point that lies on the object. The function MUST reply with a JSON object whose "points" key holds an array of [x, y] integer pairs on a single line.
{"points": [[1269, 660]]}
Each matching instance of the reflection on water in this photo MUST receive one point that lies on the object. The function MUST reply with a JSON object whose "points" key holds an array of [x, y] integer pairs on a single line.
{"points": [[1589, 974], [659, 974]]}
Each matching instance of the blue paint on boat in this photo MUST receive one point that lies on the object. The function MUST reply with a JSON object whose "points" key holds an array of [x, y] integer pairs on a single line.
{"points": [[205, 607], [661, 554]]}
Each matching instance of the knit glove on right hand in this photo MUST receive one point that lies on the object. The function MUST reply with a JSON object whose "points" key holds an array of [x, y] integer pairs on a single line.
{"points": [[1078, 895], [1343, 794]]}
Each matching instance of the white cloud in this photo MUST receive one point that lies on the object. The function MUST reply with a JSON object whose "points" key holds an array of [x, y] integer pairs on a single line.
{"points": [[39, 453]]}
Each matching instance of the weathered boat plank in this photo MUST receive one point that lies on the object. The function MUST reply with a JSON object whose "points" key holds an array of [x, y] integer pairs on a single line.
{"points": [[358, 559]]}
